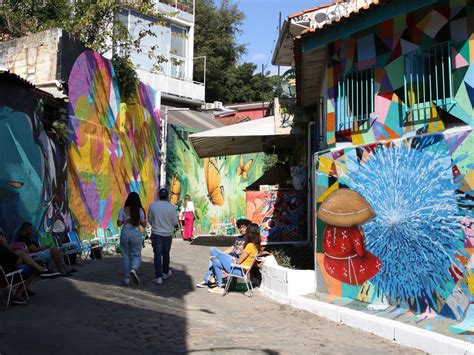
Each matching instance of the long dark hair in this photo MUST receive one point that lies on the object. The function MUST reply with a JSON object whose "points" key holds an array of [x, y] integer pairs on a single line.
{"points": [[135, 205], [252, 235]]}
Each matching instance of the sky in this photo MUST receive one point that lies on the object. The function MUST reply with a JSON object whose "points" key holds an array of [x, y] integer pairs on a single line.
{"points": [[260, 27]]}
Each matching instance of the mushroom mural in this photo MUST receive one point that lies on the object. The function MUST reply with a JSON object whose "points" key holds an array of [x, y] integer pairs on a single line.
{"points": [[345, 256]]}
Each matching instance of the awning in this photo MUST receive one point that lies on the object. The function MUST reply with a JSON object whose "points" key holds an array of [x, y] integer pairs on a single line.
{"points": [[247, 137]]}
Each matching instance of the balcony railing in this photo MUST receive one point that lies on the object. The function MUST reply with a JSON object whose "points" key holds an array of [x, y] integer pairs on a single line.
{"points": [[183, 5], [173, 86]]}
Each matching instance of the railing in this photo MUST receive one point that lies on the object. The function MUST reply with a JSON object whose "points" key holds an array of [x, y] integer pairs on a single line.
{"points": [[174, 86], [182, 5], [428, 81], [355, 100]]}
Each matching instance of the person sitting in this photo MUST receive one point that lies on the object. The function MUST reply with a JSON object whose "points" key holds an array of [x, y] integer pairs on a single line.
{"points": [[25, 235], [235, 250], [10, 262], [223, 261]]}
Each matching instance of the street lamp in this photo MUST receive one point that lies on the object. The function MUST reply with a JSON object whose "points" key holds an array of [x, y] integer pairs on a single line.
{"points": [[164, 145]]}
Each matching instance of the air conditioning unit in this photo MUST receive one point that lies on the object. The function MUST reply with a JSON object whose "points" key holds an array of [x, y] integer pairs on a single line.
{"points": [[218, 105], [209, 106]]}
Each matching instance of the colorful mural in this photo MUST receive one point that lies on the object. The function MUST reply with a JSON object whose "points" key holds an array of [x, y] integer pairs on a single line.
{"points": [[281, 215], [114, 146], [32, 164], [386, 49], [216, 185], [420, 253]]}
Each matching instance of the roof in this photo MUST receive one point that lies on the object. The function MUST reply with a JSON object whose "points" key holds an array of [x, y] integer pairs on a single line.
{"points": [[6, 75], [230, 120], [342, 11], [193, 119], [296, 14]]}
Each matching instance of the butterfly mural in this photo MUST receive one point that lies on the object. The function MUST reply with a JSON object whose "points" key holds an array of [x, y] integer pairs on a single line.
{"points": [[243, 169], [175, 189], [215, 191]]}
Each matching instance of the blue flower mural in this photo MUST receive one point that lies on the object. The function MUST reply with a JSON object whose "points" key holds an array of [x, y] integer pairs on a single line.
{"points": [[417, 232]]}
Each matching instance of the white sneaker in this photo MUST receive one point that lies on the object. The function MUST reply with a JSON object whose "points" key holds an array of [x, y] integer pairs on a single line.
{"points": [[126, 282], [201, 284], [158, 280], [168, 275]]}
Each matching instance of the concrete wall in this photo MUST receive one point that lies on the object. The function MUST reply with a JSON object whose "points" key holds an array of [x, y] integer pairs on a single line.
{"points": [[41, 57]]}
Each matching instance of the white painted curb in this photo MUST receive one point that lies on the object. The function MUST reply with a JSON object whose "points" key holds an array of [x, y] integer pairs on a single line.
{"points": [[401, 333]]}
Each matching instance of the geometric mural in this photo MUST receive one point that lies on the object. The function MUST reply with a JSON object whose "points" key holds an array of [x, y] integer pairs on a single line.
{"points": [[385, 49]]}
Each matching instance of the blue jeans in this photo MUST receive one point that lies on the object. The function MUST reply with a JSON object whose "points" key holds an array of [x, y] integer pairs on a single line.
{"points": [[161, 250], [223, 261], [131, 249], [213, 252]]}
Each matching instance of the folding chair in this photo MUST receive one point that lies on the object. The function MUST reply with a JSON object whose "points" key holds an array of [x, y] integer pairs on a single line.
{"points": [[245, 276], [77, 246], [13, 280], [112, 240]]}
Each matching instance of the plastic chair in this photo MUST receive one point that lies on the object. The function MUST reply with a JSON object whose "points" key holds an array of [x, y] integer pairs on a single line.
{"points": [[245, 275], [13, 280], [112, 240]]}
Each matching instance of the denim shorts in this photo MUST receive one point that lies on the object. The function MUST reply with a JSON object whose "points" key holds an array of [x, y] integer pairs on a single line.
{"points": [[44, 255], [26, 271]]}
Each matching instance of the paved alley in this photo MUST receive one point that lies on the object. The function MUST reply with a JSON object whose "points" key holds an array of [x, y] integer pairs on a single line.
{"points": [[91, 313]]}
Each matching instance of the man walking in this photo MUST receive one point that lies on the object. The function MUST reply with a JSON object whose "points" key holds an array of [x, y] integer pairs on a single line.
{"points": [[163, 218]]}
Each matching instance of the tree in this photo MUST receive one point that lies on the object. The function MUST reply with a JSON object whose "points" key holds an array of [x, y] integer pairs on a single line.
{"points": [[215, 37], [93, 22], [242, 84]]}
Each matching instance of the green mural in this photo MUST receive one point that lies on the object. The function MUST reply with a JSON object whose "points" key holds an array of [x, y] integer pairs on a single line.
{"points": [[216, 185]]}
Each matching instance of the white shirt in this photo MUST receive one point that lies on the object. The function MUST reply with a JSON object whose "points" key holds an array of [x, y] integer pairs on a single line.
{"points": [[189, 208], [125, 219], [163, 218]]}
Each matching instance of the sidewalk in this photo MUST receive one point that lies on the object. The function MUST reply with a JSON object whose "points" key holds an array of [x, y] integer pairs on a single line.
{"points": [[91, 313]]}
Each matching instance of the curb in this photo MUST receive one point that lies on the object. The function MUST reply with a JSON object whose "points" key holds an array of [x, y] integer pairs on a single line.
{"points": [[400, 333]]}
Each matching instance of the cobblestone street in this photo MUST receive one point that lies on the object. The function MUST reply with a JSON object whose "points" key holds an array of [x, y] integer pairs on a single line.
{"points": [[91, 313]]}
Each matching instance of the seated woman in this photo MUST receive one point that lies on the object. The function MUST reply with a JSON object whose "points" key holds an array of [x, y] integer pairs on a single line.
{"points": [[235, 250], [224, 261]]}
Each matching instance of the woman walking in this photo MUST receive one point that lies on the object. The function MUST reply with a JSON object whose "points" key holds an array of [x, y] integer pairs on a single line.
{"points": [[132, 216], [187, 213]]}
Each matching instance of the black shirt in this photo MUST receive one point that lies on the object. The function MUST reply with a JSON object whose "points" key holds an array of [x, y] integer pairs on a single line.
{"points": [[8, 259], [27, 240]]}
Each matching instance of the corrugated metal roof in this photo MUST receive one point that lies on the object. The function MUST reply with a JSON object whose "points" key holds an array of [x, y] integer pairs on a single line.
{"points": [[192, 119]]}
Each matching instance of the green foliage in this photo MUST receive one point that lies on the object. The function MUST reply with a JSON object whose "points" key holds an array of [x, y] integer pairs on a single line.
{"points": [[93, 22], [217, 27], [269, 161], [126, 76]]}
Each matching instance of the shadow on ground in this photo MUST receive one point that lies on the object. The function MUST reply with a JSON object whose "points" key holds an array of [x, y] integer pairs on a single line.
{"points": [[91, 313]]}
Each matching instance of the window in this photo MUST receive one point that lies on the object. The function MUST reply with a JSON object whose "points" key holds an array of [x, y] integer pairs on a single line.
{"points": [[178, 48], [355, 100], [428, 80]]}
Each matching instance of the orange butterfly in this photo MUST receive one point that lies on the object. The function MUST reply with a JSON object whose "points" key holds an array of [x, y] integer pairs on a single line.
{"points": [[175, 189], [242, 169], [213, 182]]}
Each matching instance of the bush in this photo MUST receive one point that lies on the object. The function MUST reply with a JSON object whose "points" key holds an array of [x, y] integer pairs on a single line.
{"points": [[293, 257]]}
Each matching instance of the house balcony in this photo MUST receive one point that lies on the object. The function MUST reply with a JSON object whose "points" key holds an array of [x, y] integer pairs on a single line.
{"points": [[171, 86], [184, 9]]}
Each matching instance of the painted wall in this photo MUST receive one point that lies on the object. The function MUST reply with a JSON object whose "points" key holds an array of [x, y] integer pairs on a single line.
{"points": [[383, 47], [114, 146], [32, 164], [217, 185], [281, 215], [417, 250]]}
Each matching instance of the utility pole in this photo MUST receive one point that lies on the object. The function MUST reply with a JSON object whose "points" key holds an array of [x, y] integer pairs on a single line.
{"points": [[279, 82], [261, 93], [164, 143]]}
